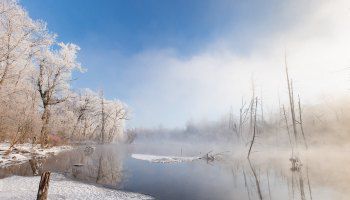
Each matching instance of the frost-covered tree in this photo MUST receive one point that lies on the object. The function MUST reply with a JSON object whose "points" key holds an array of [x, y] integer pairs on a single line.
{"points": [[113, 116], [87, 115], [20, 38], [84, 108], [35, 94], [98, 118], [53, 78]]}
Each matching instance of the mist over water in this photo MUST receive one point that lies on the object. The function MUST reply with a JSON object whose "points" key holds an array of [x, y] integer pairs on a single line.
{"points": [[267, 174], [320, 172], [259, 111]]}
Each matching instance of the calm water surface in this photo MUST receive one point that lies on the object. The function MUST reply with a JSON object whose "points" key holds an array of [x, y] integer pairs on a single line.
{"points": [[111, 166]]}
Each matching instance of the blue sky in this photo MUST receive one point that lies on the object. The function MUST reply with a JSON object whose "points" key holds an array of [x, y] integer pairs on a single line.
{"points": [[142, 51], [133, 26]]}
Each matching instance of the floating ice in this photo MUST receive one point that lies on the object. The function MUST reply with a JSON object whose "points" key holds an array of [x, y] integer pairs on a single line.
{"points": [[163, 159]]}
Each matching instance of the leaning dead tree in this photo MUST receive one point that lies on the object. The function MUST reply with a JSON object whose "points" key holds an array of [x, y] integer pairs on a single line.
{"points": [[252, 106], [254, 126]]}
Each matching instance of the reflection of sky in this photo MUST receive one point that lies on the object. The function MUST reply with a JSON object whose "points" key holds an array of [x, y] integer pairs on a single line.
{"points": [[172, 61]]}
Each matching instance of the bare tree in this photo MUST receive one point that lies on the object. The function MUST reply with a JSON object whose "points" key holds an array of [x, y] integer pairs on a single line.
{"points": [[301, 122], [291, 100], [254, 127]]}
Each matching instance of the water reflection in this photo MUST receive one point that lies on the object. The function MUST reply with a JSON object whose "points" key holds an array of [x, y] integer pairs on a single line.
{"points": [[101, 166], [231, 178]]}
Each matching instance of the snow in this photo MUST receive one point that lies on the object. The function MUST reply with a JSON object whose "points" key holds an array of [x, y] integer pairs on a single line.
{"points": [[163, 159], [21, 153], [60, 187]]}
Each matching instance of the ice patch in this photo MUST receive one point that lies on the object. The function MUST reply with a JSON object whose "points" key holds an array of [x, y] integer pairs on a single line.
{"points": [[163, 159]]}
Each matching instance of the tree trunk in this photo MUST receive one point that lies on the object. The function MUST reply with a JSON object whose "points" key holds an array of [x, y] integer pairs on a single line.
{"points": [[254, 126], [43, 186], [44, 129], [291, 100], [103, 121], [301, 122]]}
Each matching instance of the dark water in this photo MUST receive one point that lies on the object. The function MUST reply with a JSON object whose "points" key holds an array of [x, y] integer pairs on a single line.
{"points": [[113, 167]]}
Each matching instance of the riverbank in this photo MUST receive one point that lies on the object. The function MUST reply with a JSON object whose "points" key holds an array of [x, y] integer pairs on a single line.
{"points": [[22, 153]]}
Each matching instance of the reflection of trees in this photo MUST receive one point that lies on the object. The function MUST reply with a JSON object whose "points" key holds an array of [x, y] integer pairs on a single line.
{"points": [[300, 183], [257, 182], [102, 166], [246, 184], [109, 170], [21, 170]]}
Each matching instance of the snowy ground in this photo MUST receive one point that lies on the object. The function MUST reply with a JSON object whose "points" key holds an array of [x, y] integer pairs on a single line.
{"points": [[163, 159], [23, 152], [60, 187]]}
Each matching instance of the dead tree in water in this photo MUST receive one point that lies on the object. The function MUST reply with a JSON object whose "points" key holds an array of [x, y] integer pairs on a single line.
{"points": [[254, 127], [301, 122], [243, 117], [240, 119], [252, 106], [292, 109], [43, 186], [291, 99], [287, 126]]}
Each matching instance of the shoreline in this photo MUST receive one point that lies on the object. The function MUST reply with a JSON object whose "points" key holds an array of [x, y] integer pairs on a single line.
{"points": [[60, 186], [22, 153]]}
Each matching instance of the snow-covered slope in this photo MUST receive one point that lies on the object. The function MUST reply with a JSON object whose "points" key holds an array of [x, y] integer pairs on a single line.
{"points": [[60, 187]]}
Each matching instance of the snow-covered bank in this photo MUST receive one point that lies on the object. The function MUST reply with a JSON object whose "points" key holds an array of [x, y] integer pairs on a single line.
{"points": [[21, 153], [60, 187], [163, 159]]}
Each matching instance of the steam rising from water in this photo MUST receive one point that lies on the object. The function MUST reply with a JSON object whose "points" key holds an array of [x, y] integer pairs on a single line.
{"points": [[205, 85]]}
